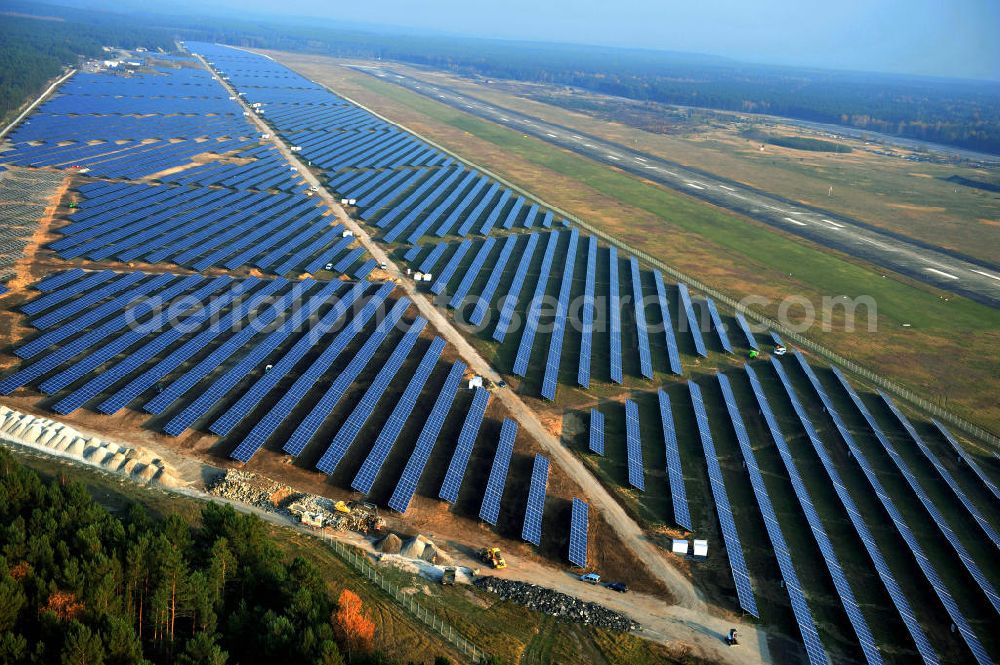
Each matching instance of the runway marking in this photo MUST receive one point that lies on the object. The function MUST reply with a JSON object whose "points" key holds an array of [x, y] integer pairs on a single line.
{"points": [[504, 119], [695, 185], [673, 174], [588, 145], [640, 159], [795, 221], [833, 224], [654, 168], [941, 272], [728, 189], [986, 274], [551, 135], [614, 157]]}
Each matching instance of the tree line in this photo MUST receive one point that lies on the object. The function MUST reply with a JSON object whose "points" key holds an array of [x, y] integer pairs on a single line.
{"points": [[35, 51], [81, 586]]}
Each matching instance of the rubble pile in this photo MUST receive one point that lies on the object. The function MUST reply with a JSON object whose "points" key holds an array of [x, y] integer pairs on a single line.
{"points": [[556, 604], [311, 509]]}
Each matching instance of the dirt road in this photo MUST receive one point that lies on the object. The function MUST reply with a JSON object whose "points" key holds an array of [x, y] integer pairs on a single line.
{"points": [[689, 619]]}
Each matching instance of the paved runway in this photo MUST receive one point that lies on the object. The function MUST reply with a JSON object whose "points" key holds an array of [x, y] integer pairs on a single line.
{"points": [[924, 262]]}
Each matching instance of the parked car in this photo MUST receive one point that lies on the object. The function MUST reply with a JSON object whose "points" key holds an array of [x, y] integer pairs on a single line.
{"points": [[591, 578], [620, 587]]}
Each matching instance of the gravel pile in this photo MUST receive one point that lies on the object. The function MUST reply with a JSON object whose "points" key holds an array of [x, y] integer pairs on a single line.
{"points": [[556, 604]]}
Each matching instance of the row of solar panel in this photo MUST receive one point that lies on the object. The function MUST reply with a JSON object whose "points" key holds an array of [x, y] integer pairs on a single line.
{"points": [[426, 259]]}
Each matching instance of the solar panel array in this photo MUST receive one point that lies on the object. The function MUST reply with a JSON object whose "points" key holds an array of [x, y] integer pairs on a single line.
{"points": [[463, 448], [902, 527], [614, 318], [945, 475], [587, 315], [596, 434], [857, 521], [741, 577], [675, 473], [720, 328], [633, 446], [969, 460], [532, 528], [513, 292], [673, 355], [847, 598], [351, 426], [694, 326], [904, 469], [578, 524], [645, 355], [387, 437], [490, 510], [554, 357], [800, 606], [535, 309], [407, 484]]}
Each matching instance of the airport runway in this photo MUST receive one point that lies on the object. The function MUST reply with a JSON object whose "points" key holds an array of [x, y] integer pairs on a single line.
{"points": [[934, 265]]}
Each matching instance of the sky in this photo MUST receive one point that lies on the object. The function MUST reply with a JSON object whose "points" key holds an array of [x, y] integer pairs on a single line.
{"points": [[954, 38]]}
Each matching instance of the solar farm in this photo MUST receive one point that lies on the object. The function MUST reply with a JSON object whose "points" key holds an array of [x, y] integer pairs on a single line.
{"points": [[195, 291]]}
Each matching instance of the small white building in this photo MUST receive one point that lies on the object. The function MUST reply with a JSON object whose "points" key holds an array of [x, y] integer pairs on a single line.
{"points": [[679, 546], [700, 548], [476, 382]]}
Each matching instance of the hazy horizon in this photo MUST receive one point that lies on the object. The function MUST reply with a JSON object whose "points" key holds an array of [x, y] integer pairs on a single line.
{"points": [[919, 37]]}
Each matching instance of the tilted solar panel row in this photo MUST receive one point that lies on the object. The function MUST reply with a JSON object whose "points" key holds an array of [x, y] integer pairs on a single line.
{"points": [[535, 308], [531, 531], [509, 302], [587, 316], [489, 512], [554, 357], [800, 606], [463, 448]]}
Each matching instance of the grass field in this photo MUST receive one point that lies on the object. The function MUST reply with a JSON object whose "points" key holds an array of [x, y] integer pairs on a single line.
{"points": [[945, 352], [915, 199]]}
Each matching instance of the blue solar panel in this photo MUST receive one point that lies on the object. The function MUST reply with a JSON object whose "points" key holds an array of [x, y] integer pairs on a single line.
{"points": [[484, 298], [321, 410], [509, 302], [587, 316], [552, 361], [449, 268], [87, 300], [675, 473], [936, 517], [272, 377], [366, 475], [747, 332], [147, 379], [58, 280], [734, 550], [720, 328], [407, 485], [902, 527], [184, 383], [673, 356], [694, 325], [633, 447], [463, 449], [861, 528], [800, 607], [847, 598], [578, 524], [472, 273], [490, 510], [222, 386], [596, 434], [535, 308], [946, 476], [351, 426], [51, 299], [532, 529], [969, 460], [161, 342], [614, 318], [645, 356], [433, 257]]}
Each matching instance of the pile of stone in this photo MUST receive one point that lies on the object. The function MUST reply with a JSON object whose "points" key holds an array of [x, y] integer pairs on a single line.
{"points": [[317, 511], [422, 547], [556, 604], [60, 439], [246, 487]]}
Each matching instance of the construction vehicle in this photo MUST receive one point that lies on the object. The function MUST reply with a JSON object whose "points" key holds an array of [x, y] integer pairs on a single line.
{"points": [[492, 556], [342, 507], [448, 577]]}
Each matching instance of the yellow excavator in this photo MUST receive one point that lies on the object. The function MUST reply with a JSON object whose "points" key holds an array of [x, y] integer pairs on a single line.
{"points": [[492, 556]]}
